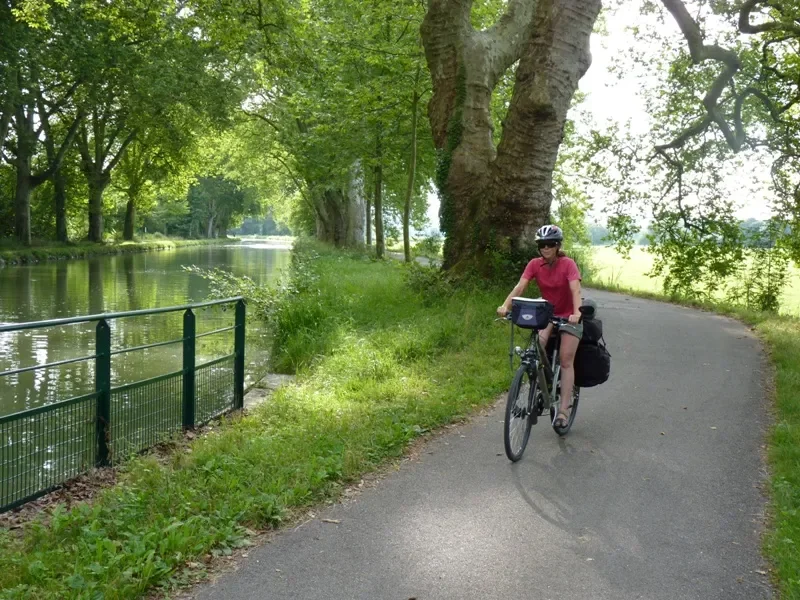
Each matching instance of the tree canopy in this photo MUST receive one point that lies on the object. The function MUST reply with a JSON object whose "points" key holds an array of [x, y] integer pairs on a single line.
{"points": [[338, 118]]}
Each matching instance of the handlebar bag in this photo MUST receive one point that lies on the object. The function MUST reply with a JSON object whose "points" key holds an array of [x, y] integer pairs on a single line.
{"points": [[528, 313]]}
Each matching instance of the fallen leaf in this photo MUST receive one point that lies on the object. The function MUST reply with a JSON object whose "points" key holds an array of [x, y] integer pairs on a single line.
{"points": [[760, 572], [334, 521], [662, 433], [713, 428]]}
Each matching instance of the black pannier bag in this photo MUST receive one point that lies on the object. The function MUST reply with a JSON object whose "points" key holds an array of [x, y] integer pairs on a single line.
{"points": [[592, 359], [531, 314], [592, 365]]}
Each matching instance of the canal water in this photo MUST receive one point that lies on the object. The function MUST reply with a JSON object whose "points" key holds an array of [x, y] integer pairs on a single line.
{"points": [[69, 288]]}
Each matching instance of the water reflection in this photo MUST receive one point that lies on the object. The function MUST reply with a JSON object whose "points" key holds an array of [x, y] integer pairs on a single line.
{"points": [[111, 284]]}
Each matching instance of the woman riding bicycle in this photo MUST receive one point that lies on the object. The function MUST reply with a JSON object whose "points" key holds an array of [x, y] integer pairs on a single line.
{"points": [[559, 281]]}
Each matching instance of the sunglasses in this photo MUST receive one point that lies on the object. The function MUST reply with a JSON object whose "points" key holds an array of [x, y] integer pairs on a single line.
{"points": [[547, 245]]}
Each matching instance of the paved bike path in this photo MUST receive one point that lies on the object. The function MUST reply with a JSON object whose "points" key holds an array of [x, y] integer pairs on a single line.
{"points": [[655, 493]]}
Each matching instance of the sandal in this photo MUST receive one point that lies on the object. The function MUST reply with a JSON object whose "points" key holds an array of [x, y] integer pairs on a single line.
{"points": [[561, 420]]}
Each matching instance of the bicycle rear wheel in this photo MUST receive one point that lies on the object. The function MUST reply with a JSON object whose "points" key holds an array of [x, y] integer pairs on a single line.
{"points": [[519, 414]]}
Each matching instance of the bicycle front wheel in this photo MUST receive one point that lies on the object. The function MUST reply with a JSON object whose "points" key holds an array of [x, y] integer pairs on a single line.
{"points": [[519, 411]]}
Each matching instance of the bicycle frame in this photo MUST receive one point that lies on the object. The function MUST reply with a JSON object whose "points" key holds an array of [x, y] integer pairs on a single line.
{"points": [[535, 356]]}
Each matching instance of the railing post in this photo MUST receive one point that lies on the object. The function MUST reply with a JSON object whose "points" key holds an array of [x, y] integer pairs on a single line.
{"points": [[102, 380], [189, 330], [238, 361]]}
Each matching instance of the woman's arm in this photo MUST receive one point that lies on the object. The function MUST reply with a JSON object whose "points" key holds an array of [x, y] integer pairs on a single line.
{"points": [[575, 288], [503, 309]]}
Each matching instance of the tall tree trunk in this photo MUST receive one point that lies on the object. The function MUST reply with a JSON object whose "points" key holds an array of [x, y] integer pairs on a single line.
{"points": [[210, 228], [340, 217], [97, 186], [22, 201], [97, 163], [368, 220], [60, 205], [379, 242], [330, 222], [412, 169], [26, 146], [355, 206], [130, 220], [495, 198]]}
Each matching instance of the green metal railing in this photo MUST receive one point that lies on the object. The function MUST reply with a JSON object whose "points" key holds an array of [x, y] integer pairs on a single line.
{"points": [[46, 446]]}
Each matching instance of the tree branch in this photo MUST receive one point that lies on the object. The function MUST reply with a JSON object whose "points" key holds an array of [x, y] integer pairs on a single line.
{"points": [[311, 204], [701, 52], [55, 165], [506, 39], [120, 152], [686, 135], [83, 148], [746, 27], [266, 120]]}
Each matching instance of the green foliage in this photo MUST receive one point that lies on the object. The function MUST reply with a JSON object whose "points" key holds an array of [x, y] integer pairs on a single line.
{"points": [[762, 282], [431, 283], [695, 263], [430, 246]]}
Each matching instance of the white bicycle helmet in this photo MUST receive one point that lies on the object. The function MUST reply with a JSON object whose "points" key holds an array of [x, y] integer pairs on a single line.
{"points": [[549, 233]]}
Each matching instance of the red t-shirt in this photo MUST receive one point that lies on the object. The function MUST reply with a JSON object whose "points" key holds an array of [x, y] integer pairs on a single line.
{"points": [[554, 281]]}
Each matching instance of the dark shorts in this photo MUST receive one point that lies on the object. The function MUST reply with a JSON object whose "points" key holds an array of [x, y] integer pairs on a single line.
{"points": [[575, 330]]}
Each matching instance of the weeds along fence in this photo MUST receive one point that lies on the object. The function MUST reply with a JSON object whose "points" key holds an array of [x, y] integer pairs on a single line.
{"points": [[45, 446]]}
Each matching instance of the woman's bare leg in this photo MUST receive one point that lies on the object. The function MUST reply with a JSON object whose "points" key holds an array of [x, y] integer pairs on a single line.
{"points": [[569, 345], [544, 335]]}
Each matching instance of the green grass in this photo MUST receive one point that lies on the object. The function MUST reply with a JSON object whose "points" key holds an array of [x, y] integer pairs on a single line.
{"points": [[378, 365], [17, 254], [781, 335]]}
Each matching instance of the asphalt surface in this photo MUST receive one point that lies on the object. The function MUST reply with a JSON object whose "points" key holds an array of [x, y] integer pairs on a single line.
{"points": [[654, 494]]}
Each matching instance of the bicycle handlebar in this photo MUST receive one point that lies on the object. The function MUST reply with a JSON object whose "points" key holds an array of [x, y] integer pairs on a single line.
{"points": [[554, 320]]}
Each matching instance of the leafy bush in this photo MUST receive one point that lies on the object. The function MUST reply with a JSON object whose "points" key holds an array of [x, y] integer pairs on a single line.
{"points": [[429, 246], [431, 283]]}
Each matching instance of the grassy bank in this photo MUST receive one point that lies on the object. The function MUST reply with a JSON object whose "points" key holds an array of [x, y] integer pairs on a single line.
{"points": [[14, 254], [379, 363], [781, 336]]}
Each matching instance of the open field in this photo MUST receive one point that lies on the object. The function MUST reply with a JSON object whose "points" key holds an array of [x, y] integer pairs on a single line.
{"points": [[611, 269]]}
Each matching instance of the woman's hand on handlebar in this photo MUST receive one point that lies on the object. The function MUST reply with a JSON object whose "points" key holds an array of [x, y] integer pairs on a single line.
{"points": [[502, 311], [575, 319]]}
